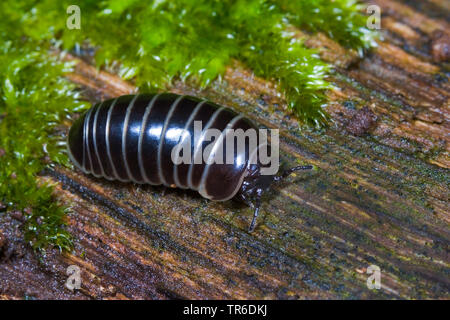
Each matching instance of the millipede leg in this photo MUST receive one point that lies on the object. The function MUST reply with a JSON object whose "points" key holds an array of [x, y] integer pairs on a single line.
{"points": [[255, 216]]}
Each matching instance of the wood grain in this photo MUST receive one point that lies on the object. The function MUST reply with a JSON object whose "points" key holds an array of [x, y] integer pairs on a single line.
{"points": [[381, 198]]}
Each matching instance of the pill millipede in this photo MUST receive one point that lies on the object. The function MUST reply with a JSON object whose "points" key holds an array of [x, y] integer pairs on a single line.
{"points": [[131, 138]]}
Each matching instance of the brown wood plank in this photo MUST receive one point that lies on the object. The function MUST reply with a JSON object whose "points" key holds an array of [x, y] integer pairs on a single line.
{"points": [[380, 198]]}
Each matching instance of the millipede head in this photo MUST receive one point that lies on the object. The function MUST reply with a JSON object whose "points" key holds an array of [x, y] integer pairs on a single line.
{"points": [[255, 185]]}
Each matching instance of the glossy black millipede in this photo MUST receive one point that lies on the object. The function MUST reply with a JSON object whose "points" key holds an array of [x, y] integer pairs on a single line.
{"points": [[132, 138]]}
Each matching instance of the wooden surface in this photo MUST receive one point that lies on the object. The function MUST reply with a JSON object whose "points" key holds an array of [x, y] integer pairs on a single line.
{"points": [[379, 195]]}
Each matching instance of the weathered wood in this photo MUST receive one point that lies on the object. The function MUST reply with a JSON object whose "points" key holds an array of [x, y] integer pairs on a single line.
{"points": [[381, 198]]}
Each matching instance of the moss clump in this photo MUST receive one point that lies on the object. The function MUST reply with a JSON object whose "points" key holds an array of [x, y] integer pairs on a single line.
{"points": [[158, 41], [34, 98]]}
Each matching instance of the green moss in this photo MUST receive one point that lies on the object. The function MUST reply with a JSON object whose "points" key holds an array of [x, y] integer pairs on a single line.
{"points": [[155, 42], [34, 98], [340, 20], [159, 41]]}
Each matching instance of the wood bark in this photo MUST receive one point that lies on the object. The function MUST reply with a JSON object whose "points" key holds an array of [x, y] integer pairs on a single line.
{"points": [[379, 195]]}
